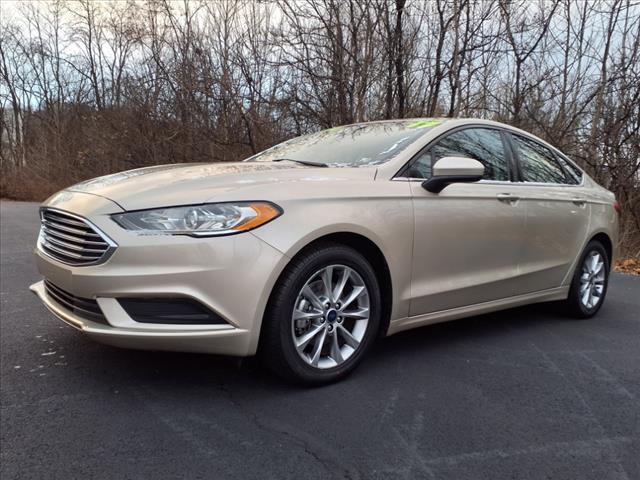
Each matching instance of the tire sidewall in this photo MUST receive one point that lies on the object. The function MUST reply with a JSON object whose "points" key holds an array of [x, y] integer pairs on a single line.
{"points": [[302, 271]]}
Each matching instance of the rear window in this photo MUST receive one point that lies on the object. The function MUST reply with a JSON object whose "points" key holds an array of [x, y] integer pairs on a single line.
{"points": [[574, 174], [352, 145], [537, 163]]}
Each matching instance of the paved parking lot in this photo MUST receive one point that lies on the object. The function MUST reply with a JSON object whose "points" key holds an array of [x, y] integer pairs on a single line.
{"points": [[524, 393]]}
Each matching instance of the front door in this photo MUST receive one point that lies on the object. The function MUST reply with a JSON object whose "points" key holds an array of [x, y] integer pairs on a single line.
{"points": [[469, 237]]}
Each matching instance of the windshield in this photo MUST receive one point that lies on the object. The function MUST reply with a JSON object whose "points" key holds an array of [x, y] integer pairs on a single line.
{"points": [[350, 146]]}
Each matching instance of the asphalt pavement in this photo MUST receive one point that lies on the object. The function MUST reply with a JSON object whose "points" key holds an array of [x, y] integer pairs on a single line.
{"points": [[524, 393]]}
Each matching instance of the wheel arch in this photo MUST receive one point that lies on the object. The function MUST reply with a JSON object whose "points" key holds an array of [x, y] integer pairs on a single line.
{"points": [[600, 235], [369, 249], [606, 242]]}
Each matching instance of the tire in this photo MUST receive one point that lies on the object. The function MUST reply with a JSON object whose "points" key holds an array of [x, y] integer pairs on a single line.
{"points": [[293, 316], [585, 281]]}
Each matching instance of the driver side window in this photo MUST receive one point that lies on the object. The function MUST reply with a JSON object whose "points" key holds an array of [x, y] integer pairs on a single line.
{"points": [[482, 144]]}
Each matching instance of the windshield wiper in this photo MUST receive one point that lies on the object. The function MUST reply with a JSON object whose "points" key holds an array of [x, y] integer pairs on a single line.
{"points": [[303, 162]]}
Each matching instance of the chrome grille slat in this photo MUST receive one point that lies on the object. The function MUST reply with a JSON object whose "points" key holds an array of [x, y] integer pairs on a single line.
{"points": [[72, 240], [61, 219], [74, 231], [70, 254], [62, 236], [60, 255], [77, 248]]}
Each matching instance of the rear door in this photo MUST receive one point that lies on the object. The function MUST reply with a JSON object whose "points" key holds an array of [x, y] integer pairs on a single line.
{"points": [[467, 238], [556, 210]]}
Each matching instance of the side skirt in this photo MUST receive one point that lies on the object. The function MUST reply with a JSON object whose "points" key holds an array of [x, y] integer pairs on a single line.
{"points": [[559, 293]]}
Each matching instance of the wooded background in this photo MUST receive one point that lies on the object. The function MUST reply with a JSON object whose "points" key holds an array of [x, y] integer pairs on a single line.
{"points": [[94, 87]]}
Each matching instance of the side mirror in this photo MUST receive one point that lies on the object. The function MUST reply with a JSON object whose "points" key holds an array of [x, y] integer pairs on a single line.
{"points": [[449, 170]]}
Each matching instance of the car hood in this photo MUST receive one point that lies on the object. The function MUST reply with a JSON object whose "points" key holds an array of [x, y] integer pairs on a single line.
{"points": [[184, 184]]}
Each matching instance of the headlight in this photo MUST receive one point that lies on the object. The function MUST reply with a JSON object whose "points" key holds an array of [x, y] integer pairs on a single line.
{"points": [[199, 220]]}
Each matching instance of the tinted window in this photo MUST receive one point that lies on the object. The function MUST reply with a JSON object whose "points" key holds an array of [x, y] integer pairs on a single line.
{"points": [[537, 163], [574, 175], [351, 145], [421, 167], [482, 144]]}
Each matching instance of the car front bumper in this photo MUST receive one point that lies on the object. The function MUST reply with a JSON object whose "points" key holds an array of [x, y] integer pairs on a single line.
{"points": [[220, 339], [231, 276]]}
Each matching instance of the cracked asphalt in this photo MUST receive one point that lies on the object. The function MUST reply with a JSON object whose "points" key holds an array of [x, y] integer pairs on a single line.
{"points": [[524, 393]]}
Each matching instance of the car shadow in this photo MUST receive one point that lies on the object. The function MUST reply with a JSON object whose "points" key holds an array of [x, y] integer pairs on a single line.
{"points": [[187, 370]]}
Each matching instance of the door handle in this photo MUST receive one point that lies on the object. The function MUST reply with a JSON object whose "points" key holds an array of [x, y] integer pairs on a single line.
{"points": [[508, 198], [579, 201]]}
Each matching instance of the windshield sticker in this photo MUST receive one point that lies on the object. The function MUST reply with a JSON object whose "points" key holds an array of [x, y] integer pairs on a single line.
{"points": [[424, 123]]}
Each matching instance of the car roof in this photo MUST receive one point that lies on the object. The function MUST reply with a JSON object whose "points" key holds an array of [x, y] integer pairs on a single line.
{"points": [[447, 123], [452, 122]]}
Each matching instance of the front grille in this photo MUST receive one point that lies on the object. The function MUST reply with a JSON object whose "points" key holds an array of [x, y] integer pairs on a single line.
{"points": [[86, 308], [72, 240]]}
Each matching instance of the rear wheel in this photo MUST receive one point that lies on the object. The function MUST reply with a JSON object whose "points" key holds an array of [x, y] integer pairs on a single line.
{"points": [[323, 316], [590, 281]]}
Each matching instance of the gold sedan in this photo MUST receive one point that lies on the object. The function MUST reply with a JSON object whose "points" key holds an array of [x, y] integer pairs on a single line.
{"points": [[307, 252]]}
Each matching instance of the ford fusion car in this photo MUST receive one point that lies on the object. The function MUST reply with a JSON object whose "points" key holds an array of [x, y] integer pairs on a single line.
{"points": [[307, 252]]}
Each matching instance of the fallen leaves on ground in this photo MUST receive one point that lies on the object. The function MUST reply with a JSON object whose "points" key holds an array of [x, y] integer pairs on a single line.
{"points": [[628, 265]]}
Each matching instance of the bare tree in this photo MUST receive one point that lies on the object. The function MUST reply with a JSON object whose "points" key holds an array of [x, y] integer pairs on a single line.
{"points": [[89, 88]]}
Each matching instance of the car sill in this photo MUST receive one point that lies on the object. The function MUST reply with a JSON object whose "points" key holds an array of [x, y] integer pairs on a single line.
{"points": [[559, 293]]}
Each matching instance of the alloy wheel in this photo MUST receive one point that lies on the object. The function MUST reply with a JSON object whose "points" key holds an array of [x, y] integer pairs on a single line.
{"points": [[592, 280], [330, 316]]}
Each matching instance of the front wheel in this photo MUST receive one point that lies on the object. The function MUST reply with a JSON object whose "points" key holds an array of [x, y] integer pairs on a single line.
{"points": [[323, 316], [590, 281]]}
